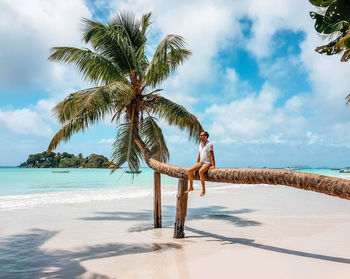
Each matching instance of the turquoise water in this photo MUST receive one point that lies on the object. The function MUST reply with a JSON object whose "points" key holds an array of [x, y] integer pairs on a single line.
{"points": [[21, 181], [22, 188]]}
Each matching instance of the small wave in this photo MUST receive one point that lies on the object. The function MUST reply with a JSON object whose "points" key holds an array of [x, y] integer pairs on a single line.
{"points": [[79, 196], [82, 196]]}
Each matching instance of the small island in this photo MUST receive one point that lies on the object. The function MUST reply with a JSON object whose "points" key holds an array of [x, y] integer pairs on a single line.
{"points": [[65, 160]]}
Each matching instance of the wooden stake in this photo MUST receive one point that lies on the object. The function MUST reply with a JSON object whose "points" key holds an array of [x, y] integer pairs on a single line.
{"points": [[181, 209], [157, 201]]}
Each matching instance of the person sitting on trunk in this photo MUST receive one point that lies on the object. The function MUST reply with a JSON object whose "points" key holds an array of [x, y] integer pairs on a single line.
{"points": [[205, 161]]}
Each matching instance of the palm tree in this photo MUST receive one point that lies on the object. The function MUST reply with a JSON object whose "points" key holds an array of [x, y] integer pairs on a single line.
{"points": [[126, 82]]}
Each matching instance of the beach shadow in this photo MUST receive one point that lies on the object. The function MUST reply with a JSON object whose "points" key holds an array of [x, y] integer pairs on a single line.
{"points": [[121, 216], [21, 256], [168, 216], [220, 213], [250, 242]]}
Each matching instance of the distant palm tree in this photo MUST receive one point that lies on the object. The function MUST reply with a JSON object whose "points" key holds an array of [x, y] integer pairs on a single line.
{"points": [[126, 81]]}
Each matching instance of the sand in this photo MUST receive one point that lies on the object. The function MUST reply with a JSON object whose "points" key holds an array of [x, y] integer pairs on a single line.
{"points": [[255, 232]]}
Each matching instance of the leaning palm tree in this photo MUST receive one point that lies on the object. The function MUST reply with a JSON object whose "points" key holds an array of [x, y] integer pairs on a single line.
{"points": [[125, 83]]}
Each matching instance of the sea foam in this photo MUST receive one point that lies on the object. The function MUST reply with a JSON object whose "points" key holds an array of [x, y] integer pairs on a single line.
{"points": [[79, 196]]}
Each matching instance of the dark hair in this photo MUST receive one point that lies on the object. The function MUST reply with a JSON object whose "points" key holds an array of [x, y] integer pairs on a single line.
{"points": [[207, 134]]}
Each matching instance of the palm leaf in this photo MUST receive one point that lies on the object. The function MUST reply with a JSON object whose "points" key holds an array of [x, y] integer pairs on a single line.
{"points": [[176, 115], [68, 129], [112, 42], [153, 137], [170, 53], [125, 149], [94, 67], [145, 23], [93, 102], [130, 27]]}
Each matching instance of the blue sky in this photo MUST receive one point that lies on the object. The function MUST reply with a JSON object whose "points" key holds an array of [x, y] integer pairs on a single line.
{"points": [[254, 80]]}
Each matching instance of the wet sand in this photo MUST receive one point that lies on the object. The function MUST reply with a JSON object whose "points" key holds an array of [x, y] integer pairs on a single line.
{"points": [[255, 232]]}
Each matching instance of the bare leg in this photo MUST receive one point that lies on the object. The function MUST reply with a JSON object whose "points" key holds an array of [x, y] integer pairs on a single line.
{"points": [[190, 176], [202, 170]]}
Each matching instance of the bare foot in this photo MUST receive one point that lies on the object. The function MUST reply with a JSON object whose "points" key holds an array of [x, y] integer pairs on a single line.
{"points": [[203, 193], [189, 190]]}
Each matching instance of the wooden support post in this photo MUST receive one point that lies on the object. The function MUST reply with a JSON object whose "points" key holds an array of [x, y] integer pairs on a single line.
{"points": [[157, 201], [181, 209]]}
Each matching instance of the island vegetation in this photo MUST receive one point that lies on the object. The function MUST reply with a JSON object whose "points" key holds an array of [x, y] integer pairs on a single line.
{"points": [[65, 160]]}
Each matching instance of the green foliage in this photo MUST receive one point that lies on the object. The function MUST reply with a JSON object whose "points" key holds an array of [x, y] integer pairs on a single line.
{"points": [[64, 160], [322, 3], [333, 21], [125, 83], [153, 137], [96, 161], [125, 149]]}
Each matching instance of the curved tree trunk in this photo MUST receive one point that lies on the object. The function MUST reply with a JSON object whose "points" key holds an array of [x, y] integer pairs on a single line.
{"points": [[332, 186]]}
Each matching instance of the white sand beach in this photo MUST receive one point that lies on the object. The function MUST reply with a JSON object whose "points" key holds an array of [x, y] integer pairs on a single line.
{"points": [[255, 232]]}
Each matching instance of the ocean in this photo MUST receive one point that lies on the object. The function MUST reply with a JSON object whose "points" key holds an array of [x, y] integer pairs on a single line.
{"points": [[22, 188]]}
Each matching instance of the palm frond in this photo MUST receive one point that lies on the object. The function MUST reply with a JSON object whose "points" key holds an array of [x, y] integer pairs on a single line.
{"points": [[94, 67], [69, 128], [176, 115], [94, 102], [130, 26], [145, 23], [153, 137], [112, 42], [125, 149], [140, 53], [170, 53]]}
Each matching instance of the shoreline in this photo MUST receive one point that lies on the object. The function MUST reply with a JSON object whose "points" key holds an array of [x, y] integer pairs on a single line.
{"points": [[280, 231]]}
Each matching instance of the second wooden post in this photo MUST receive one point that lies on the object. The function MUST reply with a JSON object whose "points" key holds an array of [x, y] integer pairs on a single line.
{"points": [[181, 209], [157, 201]]}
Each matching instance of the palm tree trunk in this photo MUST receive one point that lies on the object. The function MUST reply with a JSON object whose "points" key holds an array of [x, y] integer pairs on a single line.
{"points": [[181, 209], [332, 186]]}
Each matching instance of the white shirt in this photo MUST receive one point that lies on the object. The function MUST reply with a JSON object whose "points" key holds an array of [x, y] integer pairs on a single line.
{"points": [[204, 153]]}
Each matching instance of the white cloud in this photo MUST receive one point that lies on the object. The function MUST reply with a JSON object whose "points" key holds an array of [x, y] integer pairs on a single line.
{"points": [[256, 118], [313, 138], [25, 122], [29, 29], [271, 16], [106, 141]]}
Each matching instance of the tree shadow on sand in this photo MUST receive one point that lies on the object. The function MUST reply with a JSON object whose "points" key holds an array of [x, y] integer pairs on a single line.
{"points": [[168, 216], [208, 213], [250, 242], [21, 256]]}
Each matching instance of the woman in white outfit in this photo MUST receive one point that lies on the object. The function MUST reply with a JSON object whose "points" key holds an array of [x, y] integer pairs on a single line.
{"points": [[205, 161]]}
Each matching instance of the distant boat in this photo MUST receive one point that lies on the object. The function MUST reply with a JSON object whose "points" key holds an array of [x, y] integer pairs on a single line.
{"points": [[344, 171], [129, 171], [292, 169], [63, 171]]}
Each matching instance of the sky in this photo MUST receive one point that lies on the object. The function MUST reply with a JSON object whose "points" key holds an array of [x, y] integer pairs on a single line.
{"points": [[254, 81]]}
